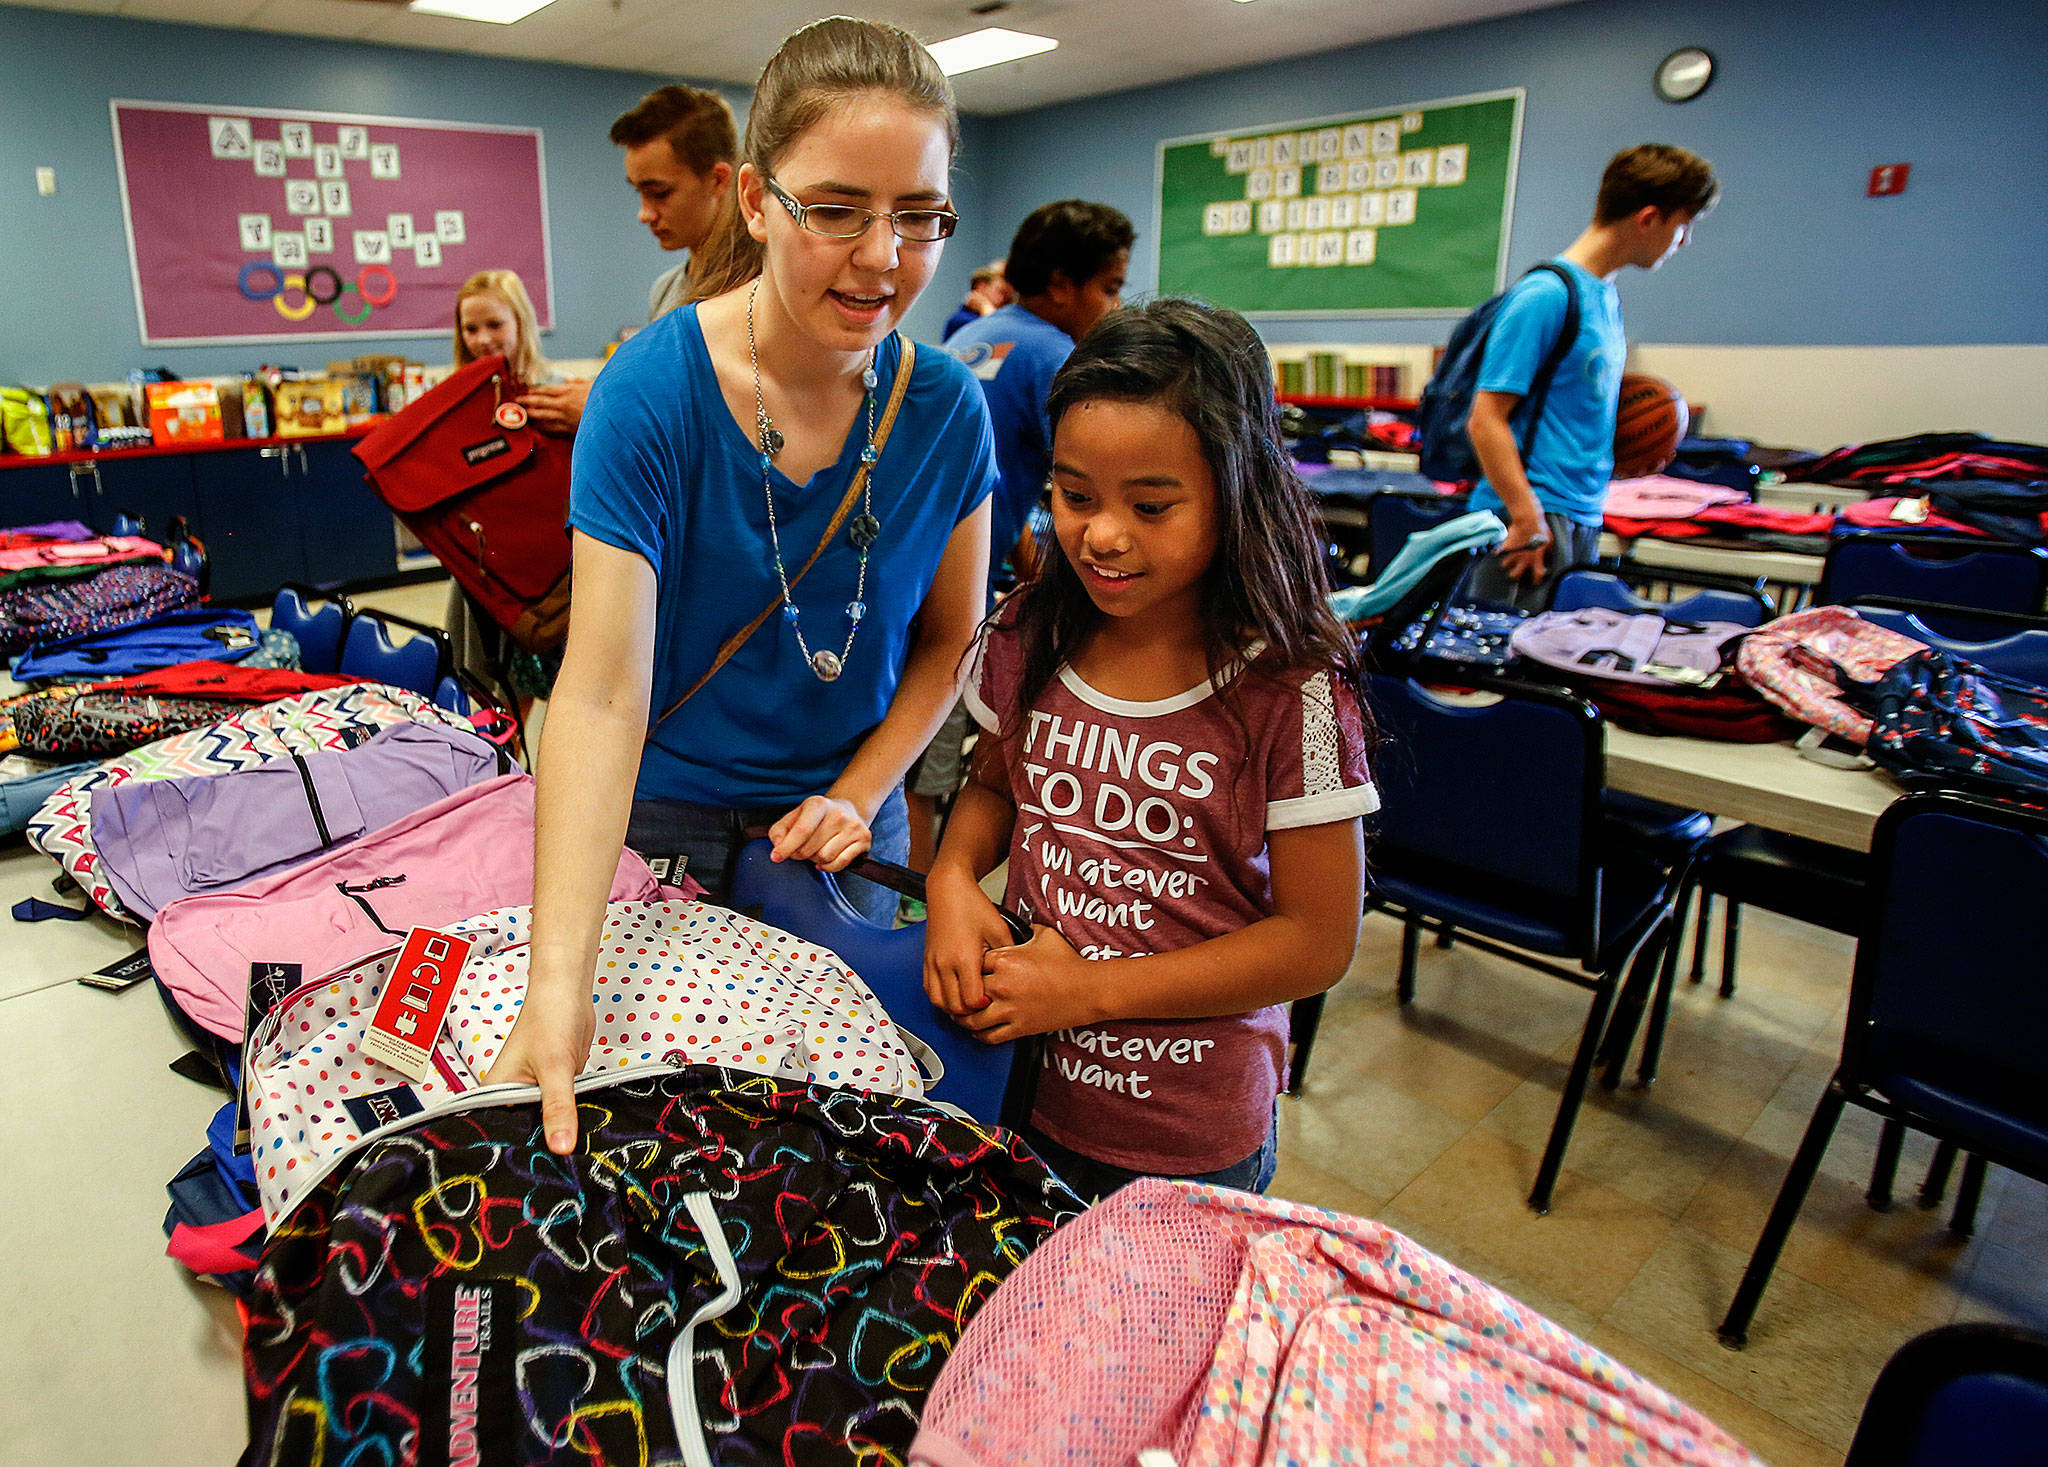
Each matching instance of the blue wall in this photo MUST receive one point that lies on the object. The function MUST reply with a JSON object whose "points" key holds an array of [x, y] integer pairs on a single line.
{"points": [[66, 301], [1809, 96]]}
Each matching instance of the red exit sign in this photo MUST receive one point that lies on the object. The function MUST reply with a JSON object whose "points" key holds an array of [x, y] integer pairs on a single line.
{"points": [[1888, 178]]}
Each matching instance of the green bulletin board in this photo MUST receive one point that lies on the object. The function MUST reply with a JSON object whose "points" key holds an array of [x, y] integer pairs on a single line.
{"points": [[1398, 211]]}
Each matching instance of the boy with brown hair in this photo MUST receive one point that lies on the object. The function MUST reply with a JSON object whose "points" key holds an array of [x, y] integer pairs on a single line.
{"points": [[680, 144], [1547, 480]]}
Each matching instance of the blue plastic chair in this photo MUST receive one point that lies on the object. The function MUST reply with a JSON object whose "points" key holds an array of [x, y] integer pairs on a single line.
{"points": [[1584, 586], [1965, 1395], [2018, 647], [991, 1082], [1947, 1019], [1491, 827], [1980, 575], [319, 631], [418, 663]]}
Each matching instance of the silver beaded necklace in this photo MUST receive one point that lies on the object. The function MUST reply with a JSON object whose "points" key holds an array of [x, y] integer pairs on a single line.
{"points": [[863, 531]]}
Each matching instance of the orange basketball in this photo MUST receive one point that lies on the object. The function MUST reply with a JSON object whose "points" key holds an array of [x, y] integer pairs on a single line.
{"points": [[1652, 419]]}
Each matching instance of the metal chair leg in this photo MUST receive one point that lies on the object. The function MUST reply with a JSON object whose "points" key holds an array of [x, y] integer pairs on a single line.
{"points": [[1445, 937], [1936, 1181], [1411, 941], [1886, 1168], [1643, 976], [1304, 1017], [1731, 926], [1734, 1330], [1574, 1093], [1963, 1222], [1660, 1014], [1699, 940]]}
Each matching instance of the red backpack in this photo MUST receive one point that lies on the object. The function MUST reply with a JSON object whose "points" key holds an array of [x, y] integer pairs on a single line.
{"points": [[486, 492]]}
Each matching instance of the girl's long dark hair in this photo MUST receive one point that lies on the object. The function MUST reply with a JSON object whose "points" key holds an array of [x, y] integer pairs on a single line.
{"points": [[1266, 583]]}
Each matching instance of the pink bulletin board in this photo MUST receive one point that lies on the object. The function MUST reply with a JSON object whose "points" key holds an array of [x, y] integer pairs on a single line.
{"points": [[251, 225]]}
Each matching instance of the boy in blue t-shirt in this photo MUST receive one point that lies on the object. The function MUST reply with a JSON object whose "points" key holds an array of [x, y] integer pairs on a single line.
{"points": [[1649, 198], [1067, 265]]}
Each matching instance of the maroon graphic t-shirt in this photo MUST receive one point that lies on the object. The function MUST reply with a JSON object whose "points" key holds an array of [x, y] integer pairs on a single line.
{"points": [[1141, 828]]}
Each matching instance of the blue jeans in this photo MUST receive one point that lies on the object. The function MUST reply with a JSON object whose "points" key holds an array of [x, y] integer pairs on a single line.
{"points": [[1094, 1180], [711, 837]]}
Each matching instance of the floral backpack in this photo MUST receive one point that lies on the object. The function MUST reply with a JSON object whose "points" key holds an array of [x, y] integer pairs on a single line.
{"points": [[1799, 662], [1177, 1323]]}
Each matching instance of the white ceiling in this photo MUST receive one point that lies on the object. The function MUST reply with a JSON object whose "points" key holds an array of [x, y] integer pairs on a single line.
{"points": [[1105, 45]]}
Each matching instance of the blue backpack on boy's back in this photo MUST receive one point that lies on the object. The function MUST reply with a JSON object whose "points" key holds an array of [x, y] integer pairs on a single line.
{"points": [[1446, 407]]}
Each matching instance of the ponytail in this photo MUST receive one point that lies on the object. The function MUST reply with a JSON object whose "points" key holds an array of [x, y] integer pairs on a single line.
{"points": [[822, 66]]}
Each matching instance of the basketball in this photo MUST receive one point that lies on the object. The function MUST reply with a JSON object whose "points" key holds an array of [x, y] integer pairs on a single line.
{"points": [[1646, 430]]}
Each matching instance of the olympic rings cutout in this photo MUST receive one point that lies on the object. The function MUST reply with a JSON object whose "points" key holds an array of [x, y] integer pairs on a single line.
{"points": [[249, 293], [390, 285], [300, 311], [332, 274], [361, 316]]}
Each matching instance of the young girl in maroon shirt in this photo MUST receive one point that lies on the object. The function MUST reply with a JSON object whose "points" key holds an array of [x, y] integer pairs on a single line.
{"points": [[1173, 763]]}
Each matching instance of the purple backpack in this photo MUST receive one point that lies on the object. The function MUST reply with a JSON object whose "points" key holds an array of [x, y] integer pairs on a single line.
{"points": [[116, 597], [1595, 642]]}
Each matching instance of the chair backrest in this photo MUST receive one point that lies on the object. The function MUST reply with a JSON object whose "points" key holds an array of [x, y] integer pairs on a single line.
{"points": [[1584, 586], [1946, 991], [419, 662], [1507, 788], [2016, 646], [1981, 574], [799, 898], [319, 631], [1392, 517], [1965, 1395]]}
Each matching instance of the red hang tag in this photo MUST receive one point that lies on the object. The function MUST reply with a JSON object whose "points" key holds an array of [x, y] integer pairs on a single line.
{"points": [[415, 1002], [511, 415]]}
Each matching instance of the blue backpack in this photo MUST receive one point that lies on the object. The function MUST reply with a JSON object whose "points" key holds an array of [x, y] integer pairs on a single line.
{"points": [[1446, 406]]}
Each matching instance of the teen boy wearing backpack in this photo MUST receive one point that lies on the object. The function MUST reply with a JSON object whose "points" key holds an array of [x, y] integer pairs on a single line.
{"points": [[1548, 479]]}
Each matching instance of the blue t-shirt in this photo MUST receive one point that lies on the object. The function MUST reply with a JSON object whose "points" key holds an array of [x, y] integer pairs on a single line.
{"points": [[1571, 457], [663, 470], [1016, 355]]}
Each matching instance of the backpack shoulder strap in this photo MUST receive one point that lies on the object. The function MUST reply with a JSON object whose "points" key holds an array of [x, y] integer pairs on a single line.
{"points": [[1568, 332], [738, 639]]}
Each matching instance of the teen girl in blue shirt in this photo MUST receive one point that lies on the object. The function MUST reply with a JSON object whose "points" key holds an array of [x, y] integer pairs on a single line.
{"points": [[685, 530]]}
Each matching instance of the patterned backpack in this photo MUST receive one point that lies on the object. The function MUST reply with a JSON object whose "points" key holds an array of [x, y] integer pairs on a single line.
{"points": [[1222, 1328], [678, 982], [336, 718], [731, 1268], [115, 597], [1801, 663]]}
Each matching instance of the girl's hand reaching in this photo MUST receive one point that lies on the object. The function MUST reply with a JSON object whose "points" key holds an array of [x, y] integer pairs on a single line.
{"points": [[548, 1046], [1035, 988], [962, 925]]}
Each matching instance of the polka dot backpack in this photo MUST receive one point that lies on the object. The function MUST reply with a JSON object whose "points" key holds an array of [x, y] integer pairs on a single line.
{"points": [[678, 982]]}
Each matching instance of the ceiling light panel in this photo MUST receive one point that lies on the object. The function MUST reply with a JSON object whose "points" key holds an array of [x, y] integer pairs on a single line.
{"points": [[990, 46], [497, 12]]}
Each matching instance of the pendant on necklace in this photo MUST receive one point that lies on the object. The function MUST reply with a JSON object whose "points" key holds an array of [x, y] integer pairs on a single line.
{"points": [[864, 530], [826, 665], [771, 442]]}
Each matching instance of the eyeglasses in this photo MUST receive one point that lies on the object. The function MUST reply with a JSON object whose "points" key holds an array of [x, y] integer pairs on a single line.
{"points": [[848, 221]]}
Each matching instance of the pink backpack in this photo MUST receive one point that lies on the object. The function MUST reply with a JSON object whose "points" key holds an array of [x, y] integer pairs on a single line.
{"points": [[1214, 1327], [471, 852], [1798, 662]]}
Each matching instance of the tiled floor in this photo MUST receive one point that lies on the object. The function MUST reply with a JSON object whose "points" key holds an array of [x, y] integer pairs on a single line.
{"points": [[1430, 1119]]}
